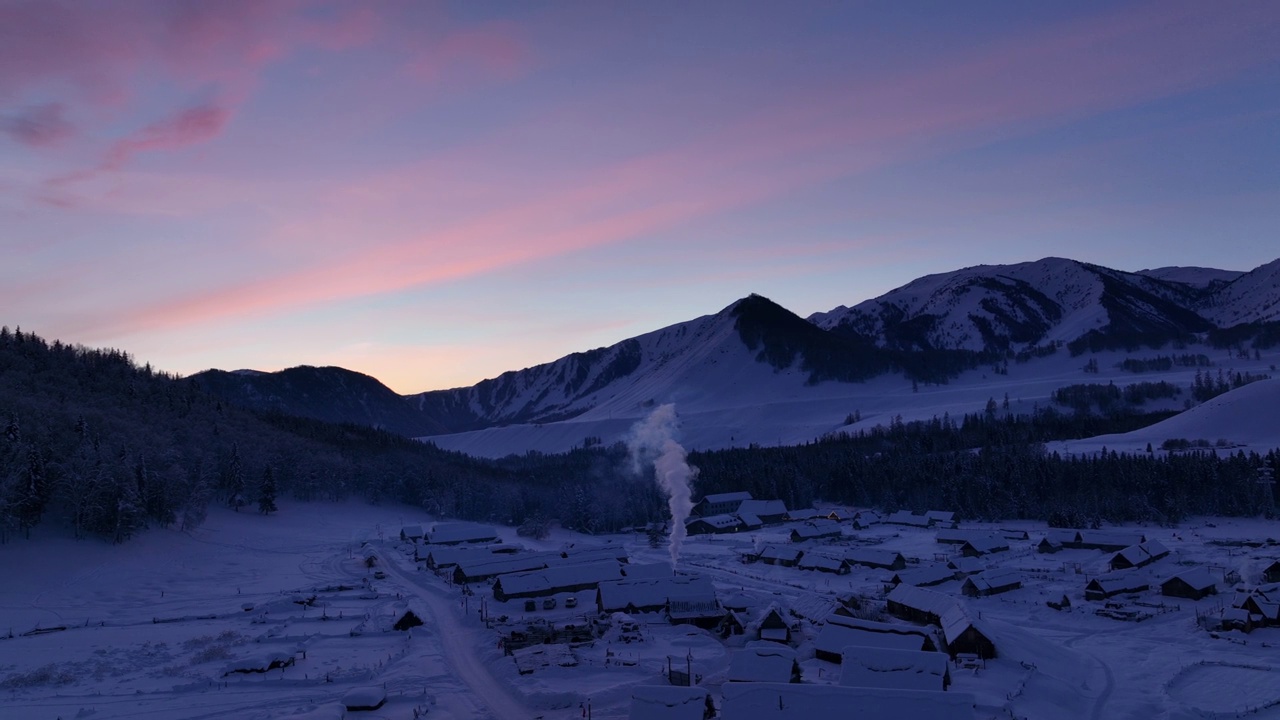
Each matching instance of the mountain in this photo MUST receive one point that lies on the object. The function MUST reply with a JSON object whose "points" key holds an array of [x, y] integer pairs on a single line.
{"points": [[330, 394], [757, 373]]}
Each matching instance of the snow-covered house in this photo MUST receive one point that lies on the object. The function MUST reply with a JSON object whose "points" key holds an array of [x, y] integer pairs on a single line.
{"points": [[552, 580], [908, 518], [991, 582], [647, 571], [1106, 540], [714, 524], [483, 568], [962, 634], [720, 503], [670, 702], [1271, 574], [750, 521], [802, 514], [765, 662], [1116, 583], [1057, 539], [1140, 555], [772, 625], [956, 536], [835, 636], [966, 565], [780, 555], [983, 545], [941, 518], [411, 532], [1193, 584], [864, 519], [651, 594], [769, 511], [792, 701], [1262, 604], [923, 576], [915, 604], [695, 604], [876, 558], [815, 529], [456, 533], [898, 669], [824, 563]]}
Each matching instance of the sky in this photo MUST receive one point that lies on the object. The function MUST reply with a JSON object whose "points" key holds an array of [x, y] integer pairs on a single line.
{"points": [[436, 193]]}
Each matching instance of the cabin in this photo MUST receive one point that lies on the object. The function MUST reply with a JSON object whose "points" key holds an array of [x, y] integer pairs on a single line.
{"points": [[1271, 574], [780, 555], [941, 518], [1105, 540], [985, 545], [991, 582], [876, 558], [749, 521], [824, 563], [871, 630], [961, 634], [1263, 605], [457, 533], [865, 519], [954, 536], [835, 636], [897, 669], [720, 504], [714, 525], [803, 701], [814, 530], [1116, 583], [670, 702], [485, 568], [765, 662], [966, 565], [770, 512], [772, 626], [649, 595], [411, 533], [552, 580], [1140, 555], [364, 699], [1193, 584], [915, 604], [697, 607], [927, 576]]}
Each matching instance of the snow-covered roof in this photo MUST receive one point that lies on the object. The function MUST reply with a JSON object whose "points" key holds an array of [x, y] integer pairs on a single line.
{"points": [[647, 571], [818, 561], [553, 578], [726, 497], [816, 528], [1196, 578], [955, 621], [906, 517], [834, 638], [651, 593], [793, 701], [928, 575], [802, 514], [1060, 536], [457, 532], [411, 531], [900, 669], [494, 565], [371, 696], [667, 702], [934, 603], [873, 556], [1142, 553], [751, 520], [984, 544], [943, 516], [1119, 582], [763, 507], [994, 580], [785, 553], [967, 565], [762, 662], [719, 521], [1109, 538]]}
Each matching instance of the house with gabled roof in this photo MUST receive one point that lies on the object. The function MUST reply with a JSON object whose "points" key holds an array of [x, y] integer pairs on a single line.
{"points": [[941, 518], [877, 558], [455, 533], [670, 702], [649, 595], [966, 565], [769, 511], [1140, 555], [824, 563], [983, 545], [1262, 604], [552, 580], [871, 629], [864, 519], [898, 669], [991, 582], [1106, 540], [720, 503], [1193, 584], [915, 604], [834, 637], [763, 661], [786, 556], [1116, 583], [772, 625], [714, 524], [908, 518], [1057, 539], [411, 532], [1271, 574], [961, 633], [926, 576], [815, 529]]}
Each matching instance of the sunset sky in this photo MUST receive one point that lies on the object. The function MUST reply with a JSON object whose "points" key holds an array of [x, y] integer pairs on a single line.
{"points": [[434, 193]]}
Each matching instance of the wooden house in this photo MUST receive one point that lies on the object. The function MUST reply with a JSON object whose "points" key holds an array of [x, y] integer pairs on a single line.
{"points": [[898, 669], [1116, 583], [824, 563], [552, 580], [770, 512], [908, 518], [815, 529], [915, 604], [765, 662], [1193, 584], [1271, 574], [876, 558], [803, 701], [1140, 555], [963, 635], [927, 576], [991, 582], [456, 533], [835, 636], [979, 546], [714, 525], [772, 626], [780, 555], [720, 504]]}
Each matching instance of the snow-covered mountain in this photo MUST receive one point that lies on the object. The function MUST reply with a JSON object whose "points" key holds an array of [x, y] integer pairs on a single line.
{"points": [[757, 373]]}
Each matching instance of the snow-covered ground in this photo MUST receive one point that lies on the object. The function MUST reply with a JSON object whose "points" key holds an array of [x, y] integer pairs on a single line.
{"points": [[152, 626]]}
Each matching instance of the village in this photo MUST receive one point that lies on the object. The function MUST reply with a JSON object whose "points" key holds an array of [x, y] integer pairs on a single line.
{"points": [[769, 613]]}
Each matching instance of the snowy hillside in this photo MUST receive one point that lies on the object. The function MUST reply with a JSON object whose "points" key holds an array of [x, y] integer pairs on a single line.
{"points": [[1194, 276], [1252, 297]]}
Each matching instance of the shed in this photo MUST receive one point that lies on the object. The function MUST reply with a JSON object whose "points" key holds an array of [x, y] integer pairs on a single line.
{"points": [[991, 582], [876, 558], [1193, 585], [1116, 583], [983, 545], [815, 529], [1271, 573], [786, 556], [897, 669], [670, 702], [764, 662], [962, 634]]}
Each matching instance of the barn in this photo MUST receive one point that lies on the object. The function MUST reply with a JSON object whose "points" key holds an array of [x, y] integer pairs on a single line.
{"points": [[1193, 585]]}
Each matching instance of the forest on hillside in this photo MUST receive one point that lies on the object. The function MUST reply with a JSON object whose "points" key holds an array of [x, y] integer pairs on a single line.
{"points": [[109, 447]]}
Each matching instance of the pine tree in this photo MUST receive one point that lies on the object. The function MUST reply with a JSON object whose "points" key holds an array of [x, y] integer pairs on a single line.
{"points": [[267, 493]]}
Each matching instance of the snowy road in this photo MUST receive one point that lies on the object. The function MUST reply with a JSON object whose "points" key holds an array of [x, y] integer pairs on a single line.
{"points": [[459, 645]]}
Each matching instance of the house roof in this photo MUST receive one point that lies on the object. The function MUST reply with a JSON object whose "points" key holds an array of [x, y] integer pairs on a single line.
{"points": [[863, 666], [873, 556], [802, 514], [762, 662], [647, 571], [1116, 538], [928, 601], [834, 638], [461, 532], [967, 565], [956, 621], [667, 702], [794, 701], [945, 516], [1142, 553], [956, 535], [987, 544], [763, 507], [553, 578], [906, 517], [413, 531], [1196, 578], [928, 575], [751, 520], [494, 565], [994, 579], [1119, 582], [873, 626], [817, 528], [781, 552], [719, 521], [818, 561], [1059, 536], [653, 592]]}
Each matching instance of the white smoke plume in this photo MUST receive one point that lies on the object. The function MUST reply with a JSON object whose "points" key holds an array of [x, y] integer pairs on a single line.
{"points": [[652, 442]]}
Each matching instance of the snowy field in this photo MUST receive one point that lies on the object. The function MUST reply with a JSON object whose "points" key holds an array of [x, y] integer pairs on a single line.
{"points": [[151, 629]]}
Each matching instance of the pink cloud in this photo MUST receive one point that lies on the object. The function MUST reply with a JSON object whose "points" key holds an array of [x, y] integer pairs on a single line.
{"points": [[39, 125], [496, 48], [191, 126]]}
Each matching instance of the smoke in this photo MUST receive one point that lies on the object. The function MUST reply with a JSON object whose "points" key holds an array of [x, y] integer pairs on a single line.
{"points": [[652, 442]]}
